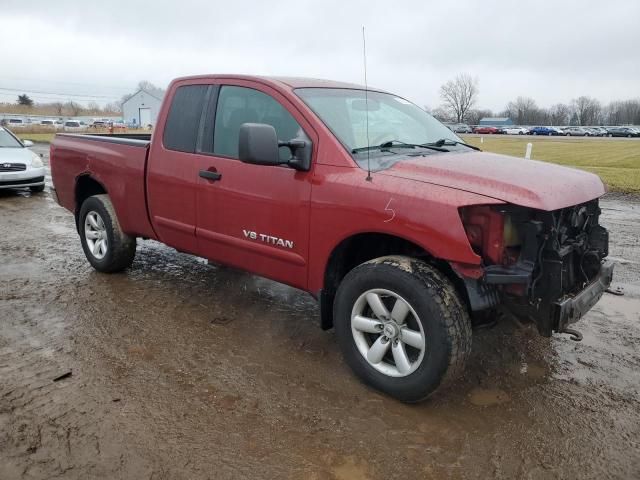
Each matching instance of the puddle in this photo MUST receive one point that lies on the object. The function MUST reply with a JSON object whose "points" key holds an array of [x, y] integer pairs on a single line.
{"points": [[487, 397]]}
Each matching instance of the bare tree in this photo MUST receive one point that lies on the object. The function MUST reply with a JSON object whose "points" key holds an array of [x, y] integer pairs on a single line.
{"points": [[113, 107], [459, 95], [474, 115], [73, 108], [93, 108], [523, 111], [57, 108], [587, 110], [622, 112], [442, 114], [559, 114]]}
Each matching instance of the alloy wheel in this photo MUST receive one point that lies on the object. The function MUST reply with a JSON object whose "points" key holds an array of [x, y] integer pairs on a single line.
{"points": [[388, 333], [95, 234]]}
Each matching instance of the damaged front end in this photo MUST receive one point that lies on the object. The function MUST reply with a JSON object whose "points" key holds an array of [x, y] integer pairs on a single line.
{"points": [[548, 267]]}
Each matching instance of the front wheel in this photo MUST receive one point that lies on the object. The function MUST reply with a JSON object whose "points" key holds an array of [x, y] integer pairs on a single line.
{"points": [[402, 327], [105, 245]]}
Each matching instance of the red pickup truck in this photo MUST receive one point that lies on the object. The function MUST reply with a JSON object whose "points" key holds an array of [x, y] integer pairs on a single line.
{"points": [[405, 234]]}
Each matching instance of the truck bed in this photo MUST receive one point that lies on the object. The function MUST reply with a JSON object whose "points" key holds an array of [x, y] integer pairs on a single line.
{"points": [[132, 139], [117, 160]]}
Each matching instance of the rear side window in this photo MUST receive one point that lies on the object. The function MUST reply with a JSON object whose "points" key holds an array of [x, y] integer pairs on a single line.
{"points": [[238, 105], [181, 129]]}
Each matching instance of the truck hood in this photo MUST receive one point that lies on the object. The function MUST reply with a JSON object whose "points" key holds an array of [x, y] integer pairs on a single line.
{"points": [[527, 183]]}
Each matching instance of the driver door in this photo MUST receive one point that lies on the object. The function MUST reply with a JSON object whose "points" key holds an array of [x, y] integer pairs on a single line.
{"points": [[253, 217]]}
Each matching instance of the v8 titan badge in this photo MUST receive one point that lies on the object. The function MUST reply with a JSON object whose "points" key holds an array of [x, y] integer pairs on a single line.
{"points": [[269, 239]]}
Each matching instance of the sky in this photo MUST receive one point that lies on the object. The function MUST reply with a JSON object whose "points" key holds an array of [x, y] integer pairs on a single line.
{"points": [[552, 51]]}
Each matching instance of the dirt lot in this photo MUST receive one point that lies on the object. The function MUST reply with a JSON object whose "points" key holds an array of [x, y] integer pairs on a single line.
{"points": [[188, 370]]}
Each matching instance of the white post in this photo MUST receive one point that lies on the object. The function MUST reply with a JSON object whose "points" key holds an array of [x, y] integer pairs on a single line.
{"points": [[528, 154], [481, 139]]}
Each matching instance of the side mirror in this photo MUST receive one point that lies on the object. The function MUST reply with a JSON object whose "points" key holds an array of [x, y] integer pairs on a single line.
{"points": [[27, 143], [258, 144]]}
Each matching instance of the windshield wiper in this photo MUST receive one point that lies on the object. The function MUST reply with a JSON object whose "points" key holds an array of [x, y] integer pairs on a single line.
{"points": [[398, 144], [448, 141]]}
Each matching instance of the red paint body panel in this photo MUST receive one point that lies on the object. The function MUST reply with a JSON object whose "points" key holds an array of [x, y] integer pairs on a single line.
{"points": [[418, 199], [118, 168], [529, 183], [344, 203]]}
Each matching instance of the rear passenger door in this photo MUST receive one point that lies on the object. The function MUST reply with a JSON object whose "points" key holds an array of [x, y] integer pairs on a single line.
{"points": [[253, 217], [172, 168]]}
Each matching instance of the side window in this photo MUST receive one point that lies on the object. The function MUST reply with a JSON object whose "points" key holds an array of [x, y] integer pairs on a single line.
{"points": [[181, 129], [238, 105]]}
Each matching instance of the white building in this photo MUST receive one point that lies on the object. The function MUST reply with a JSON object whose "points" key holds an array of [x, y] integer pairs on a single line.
{"points": [[142, 108]]}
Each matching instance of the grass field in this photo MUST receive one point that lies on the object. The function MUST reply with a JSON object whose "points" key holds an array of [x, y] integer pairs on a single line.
{"points": [[617, 161], [36, 137]]}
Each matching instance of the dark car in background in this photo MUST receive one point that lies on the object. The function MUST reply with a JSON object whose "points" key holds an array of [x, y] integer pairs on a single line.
{"points": [[545, 131], [623, 132]]}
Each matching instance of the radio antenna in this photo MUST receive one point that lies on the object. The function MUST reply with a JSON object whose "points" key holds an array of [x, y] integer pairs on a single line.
{"points": [[366, 101]]}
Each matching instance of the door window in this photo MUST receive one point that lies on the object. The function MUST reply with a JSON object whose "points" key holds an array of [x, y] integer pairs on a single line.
{"points": [[238, 105], [181, 129]]}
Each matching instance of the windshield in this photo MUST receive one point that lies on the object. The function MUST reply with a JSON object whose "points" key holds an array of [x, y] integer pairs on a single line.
{"points": [[391, 119], [7, 140]]}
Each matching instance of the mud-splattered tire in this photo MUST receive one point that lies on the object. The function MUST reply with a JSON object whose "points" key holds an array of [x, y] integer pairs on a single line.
{"points": [[432, 308], [105, 245]]}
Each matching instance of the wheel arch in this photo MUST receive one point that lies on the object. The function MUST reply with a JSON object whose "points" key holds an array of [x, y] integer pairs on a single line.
{"points": [[86, 186], [362, 247]]}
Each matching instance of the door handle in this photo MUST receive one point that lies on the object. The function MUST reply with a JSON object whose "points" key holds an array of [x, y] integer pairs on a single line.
{"points": [[209, 175]]}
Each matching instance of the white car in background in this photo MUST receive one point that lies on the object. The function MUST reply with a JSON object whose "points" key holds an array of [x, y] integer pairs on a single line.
{"points": [[19, 166], [515, 130], [15, 122], [48, 122], [73, 126]]}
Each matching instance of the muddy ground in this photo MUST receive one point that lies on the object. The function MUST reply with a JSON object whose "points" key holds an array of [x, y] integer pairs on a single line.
{"points": [[188, 370]]}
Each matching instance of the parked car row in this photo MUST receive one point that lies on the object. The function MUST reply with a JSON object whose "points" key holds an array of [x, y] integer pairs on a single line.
{"points": [[58, 124], [548, 131]]}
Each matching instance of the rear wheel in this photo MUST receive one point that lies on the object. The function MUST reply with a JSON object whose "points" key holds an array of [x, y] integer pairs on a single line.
{"points": [[402, 327], [105, 245]]}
